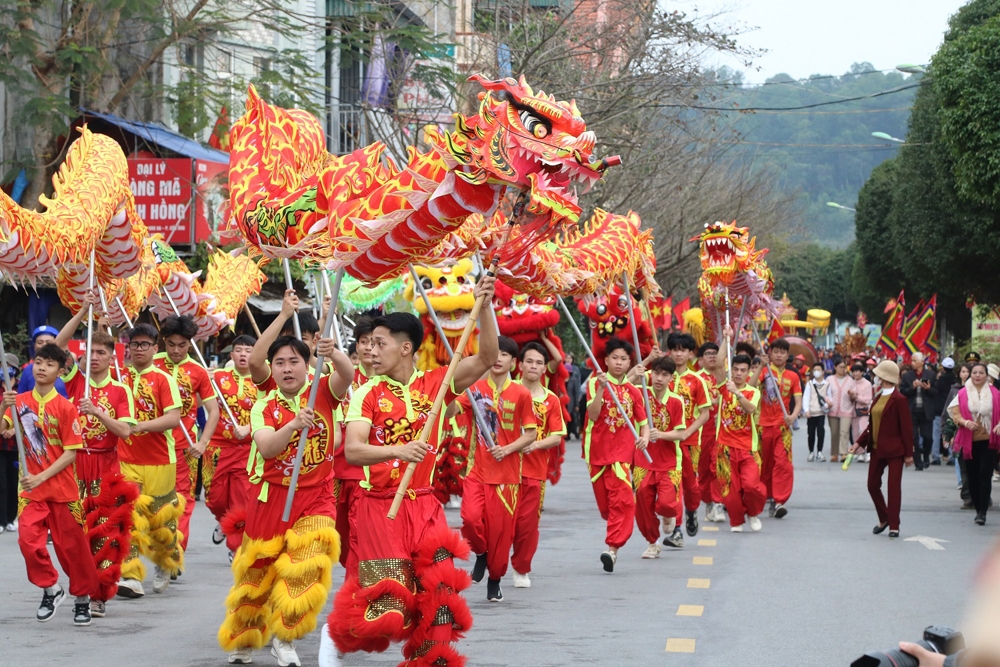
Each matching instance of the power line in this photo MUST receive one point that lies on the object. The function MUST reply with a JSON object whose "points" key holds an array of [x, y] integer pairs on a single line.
{"points": [[869, 96]]}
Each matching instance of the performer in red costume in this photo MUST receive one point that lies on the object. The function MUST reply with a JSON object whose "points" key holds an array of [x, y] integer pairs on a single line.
{"points": [[609, 448], [196, 391], [105, 418], [779, 386], [407, 588], [493, 483], [50, 501], [230, 487], [714, 374], [549, 433], [691, 388], [657, 483], [738, 464]]}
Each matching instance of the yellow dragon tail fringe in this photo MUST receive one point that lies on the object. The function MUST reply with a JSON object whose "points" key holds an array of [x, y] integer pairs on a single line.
{"points": [[304, 570], [164, 547], [248, 606]]}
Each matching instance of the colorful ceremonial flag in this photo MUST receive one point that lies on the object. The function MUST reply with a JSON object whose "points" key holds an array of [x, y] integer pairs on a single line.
{"points": [[921, 327], [661, 311], [220, 133], [680, 309], [777, 331], [890, 340], [862, 319]]}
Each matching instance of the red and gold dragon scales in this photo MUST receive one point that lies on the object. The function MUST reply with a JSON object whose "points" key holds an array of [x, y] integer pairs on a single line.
{"points": [[731, 263]]}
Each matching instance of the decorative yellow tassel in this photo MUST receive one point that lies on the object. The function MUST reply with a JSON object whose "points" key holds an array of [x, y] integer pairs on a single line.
{"points": [[304, 570]]}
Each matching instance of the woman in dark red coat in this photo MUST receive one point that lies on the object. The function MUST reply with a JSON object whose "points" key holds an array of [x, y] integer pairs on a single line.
{"points": [[889, 440]]}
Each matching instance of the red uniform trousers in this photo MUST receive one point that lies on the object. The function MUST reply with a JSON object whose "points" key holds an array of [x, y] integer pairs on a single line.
{"points": [[346, 492], [488, 521], [657, 494], [529, 512], [184, 491], [615, 502], [776, 462], [93, 465], [742, 492], [65, 522], [689, 478], [407, 587], [708, 485], [888, 514], [230, 488]]}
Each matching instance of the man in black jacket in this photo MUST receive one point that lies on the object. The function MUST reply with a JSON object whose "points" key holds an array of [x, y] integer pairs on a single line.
{"points": [[918, 385], [943, 383]]}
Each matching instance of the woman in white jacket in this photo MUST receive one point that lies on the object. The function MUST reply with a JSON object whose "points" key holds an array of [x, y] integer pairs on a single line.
{"points": [[815, 407]]}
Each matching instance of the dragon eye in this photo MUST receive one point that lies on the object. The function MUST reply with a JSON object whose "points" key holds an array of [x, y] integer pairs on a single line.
{"points": [[460, 280], [622, 303], [426, 282], [533, 124], [602, 309]]}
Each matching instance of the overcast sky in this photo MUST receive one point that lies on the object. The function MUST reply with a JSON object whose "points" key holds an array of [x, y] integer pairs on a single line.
{"points": [[805, 37]]}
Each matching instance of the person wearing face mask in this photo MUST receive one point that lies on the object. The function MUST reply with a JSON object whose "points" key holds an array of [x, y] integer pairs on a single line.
{"points": [[815, 407], [841, 409], [976, 412], [860, 394], [889, 437]]}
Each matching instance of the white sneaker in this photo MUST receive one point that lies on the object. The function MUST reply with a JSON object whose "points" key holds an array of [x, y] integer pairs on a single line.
{"points": [[811, 457], [755, 524], [285, 653], [521, 580], [241, 656], [130, 588], [820, 457], [11, 527], [328, 655], [454, 503], [652, 551], [161, 581], [736, 529], [720, 513]]}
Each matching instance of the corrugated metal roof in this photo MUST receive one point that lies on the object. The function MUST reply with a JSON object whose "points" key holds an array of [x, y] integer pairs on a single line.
{"points": [[157, 134]]}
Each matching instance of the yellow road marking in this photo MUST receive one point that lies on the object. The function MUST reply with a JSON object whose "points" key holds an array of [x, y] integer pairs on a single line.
{"points": [[706, 543], [702, 560], [699, 583], [710, 529], [675, 645], [690, 610]]}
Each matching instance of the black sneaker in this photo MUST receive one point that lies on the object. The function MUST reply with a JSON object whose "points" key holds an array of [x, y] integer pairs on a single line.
{"points": [[771, 508], [493, 592], [81, 613], [674, 539], [218, 537], [692, 524], [608, 561], [980, 521], [49, 604], [779, 511], [479, 569]]}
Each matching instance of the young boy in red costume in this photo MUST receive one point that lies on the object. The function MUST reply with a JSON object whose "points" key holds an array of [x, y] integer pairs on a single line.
{"points": [[657, 483], [738, 465], [196, 391], [229, 447], [105, 418], [149, 459], [493, 482], [691, 388], [550, 431], [779, 386], [407, 588], [714, 375], [282, 571], [609, 448], [50, 498]]}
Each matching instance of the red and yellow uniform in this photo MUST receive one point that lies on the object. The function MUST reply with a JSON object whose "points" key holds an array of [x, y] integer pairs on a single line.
{"points": [[108, 499], [491, 488], [150, 460], [228, 484], [407, 586], [192, 383], [50, 426], [657, 483], [708, 488], [534, 471], [609, 449], [775, 436], [282, 571], [738, 464], [693, 391], [347, 485]]}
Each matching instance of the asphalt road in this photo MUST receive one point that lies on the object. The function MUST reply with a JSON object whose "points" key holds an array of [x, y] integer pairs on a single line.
{"points": [[815, 588]]}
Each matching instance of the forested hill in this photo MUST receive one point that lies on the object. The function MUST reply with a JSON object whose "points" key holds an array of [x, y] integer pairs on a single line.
{"points": [[824, 152]]}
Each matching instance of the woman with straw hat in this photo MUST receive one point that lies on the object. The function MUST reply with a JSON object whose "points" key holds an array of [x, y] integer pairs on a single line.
{"points": [[889, 440]]}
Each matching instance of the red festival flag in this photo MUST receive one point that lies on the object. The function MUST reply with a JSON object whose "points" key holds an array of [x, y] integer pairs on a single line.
{"points": [[890, 340], [220, 133], [777, 331], [662, 312], [680, 309], [921, 329]]}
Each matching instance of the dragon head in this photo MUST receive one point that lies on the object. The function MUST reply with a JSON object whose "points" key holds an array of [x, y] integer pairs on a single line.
{"points": [[724, 250], [450, 289], [522, 316], [530, 141]]}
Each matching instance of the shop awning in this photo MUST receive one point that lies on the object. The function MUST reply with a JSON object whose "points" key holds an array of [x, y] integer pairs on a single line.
{"points": [[157, 135]]}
